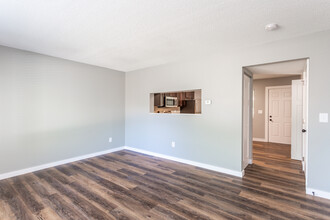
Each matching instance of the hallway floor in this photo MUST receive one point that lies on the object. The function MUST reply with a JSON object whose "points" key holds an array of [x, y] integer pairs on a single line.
{"points": [[273, 165]]}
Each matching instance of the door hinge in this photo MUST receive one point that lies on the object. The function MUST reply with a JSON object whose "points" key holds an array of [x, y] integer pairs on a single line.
{"points": [[303, 159]]}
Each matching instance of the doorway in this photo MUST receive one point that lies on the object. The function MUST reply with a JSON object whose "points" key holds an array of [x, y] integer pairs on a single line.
{"points": [[275, 115]]}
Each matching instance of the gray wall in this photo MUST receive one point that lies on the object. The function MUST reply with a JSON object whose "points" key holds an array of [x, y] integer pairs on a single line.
{"points": [[215, 136], [53, 109], [259, 88]]}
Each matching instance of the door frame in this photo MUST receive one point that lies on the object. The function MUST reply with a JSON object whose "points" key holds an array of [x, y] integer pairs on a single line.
{"points": [[306, 115], [267, 106], [306, 108], [247, 73]]}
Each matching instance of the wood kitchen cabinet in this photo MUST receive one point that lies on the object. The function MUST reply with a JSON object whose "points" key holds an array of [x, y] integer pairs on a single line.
{"points": [[189, 95], [180, 98], [157, 99]]}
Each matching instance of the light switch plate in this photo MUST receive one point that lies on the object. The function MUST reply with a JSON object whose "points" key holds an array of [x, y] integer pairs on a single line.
{"points": [[323, 117], [208, 102], [260, 112]]}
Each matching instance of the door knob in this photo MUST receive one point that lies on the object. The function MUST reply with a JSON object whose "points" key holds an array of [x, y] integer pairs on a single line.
{"points": [[303, 130]]}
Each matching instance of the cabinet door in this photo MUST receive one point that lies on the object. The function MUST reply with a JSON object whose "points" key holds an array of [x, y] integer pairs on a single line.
{"points": [[179, 96], [189, 95], [157, 99]]}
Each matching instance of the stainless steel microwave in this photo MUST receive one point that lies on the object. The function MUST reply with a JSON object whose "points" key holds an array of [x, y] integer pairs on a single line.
{"points": [[171, 101]]}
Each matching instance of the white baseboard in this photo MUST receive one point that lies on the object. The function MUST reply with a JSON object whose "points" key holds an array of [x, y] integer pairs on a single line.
{"points": [[250, 161], [70, 160], [57, 163], [318, 193], [193, 163], [259, 139]]}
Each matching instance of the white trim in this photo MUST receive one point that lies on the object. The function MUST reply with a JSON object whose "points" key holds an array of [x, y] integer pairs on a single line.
{"points": [[70, 160], [259, 139], [53, 164], [318, 193], [307, 120], [250, 161], [154, 113], [193, 163], [248, 72], [267, 104], [248, 133]]}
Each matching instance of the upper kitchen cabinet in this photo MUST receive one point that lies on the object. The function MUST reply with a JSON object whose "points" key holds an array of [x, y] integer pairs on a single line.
{"points": [[189, 95]]}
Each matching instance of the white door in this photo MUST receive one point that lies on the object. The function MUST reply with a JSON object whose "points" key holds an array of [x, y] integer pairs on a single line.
{"points": [[247, 142], [297, 120], [279, 115]]}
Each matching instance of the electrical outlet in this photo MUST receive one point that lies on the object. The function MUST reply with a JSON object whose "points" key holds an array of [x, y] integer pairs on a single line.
{"points": [[173, 144], [323, 117], [110, 139]]}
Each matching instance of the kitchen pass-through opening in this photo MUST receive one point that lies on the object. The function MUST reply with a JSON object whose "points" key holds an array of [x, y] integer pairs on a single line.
{"points": [[178, 102]]}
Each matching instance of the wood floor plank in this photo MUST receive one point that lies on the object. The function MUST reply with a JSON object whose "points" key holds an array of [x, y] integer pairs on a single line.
{"points": [[166, 213], [27, 197], [9, 195], [60, 206], [85, 206], [119, 211], [5, 211], [33, 201], [300, 213], [85, 190]]}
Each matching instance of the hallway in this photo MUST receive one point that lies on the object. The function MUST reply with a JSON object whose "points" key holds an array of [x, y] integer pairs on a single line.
{"points": [[272, 164]]}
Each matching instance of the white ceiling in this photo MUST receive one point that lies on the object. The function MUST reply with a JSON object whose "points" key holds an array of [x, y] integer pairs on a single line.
{"points": [[133, 34], [277, 70]]}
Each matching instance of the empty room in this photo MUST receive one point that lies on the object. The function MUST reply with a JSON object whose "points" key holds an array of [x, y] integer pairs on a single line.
{"points": [[154, 109]]}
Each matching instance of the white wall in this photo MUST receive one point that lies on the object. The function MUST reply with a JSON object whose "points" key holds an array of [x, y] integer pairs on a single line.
{"points": [[53, 109], [215, 136]]}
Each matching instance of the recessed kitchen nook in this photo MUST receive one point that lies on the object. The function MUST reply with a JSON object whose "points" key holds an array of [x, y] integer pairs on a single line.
{"points": [[179, 102]]}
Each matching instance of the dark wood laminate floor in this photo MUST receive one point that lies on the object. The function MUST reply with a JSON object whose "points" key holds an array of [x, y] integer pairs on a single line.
{"points": [[128, 185]]}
